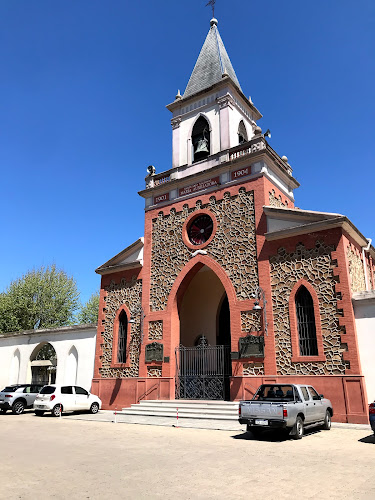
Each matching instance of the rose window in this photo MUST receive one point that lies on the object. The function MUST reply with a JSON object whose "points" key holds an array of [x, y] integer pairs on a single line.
{"points": [[200, 229]]}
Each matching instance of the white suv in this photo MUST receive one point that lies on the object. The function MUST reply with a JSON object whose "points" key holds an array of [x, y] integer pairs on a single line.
{"points": [[61, 398]]}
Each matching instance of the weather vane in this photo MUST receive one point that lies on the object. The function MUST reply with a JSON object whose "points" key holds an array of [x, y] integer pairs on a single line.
{"points": [[212, 3]]}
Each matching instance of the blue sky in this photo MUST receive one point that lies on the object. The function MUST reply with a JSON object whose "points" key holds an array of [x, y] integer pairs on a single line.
{"points": [[83, 90]]}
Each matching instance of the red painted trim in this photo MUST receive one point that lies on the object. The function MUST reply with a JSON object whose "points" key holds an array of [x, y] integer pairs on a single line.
{"points": [[188, 221], [296, 355], [116, 324]]}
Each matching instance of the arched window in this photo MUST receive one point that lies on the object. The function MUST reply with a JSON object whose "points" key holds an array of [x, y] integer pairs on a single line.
{"points": [[200, 138], [242, 134], [306, 323], [122, 337]]}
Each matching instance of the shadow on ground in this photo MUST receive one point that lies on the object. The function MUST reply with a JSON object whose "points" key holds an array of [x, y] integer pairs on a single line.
{"points": [[368, 439], [272, 436]]}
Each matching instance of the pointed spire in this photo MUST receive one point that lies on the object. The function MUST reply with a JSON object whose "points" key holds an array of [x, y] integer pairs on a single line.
{"points": [[212, 64]]}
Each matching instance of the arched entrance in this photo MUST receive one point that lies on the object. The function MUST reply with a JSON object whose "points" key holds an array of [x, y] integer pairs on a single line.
{"points": [[203, 357], [43, 362]]}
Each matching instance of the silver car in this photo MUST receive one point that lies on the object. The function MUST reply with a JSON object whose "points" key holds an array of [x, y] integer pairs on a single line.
{"points": [[17, 397]]}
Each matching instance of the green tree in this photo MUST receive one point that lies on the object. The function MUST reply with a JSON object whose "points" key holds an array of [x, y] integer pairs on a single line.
{"points": [[43, 298], [89, 312]]}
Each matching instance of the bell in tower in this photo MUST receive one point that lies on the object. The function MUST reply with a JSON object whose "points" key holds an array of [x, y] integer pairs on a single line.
{"points": [[201, 139]]}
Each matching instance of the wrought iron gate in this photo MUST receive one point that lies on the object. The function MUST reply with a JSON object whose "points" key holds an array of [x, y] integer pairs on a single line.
{"points": [[202, 372]]}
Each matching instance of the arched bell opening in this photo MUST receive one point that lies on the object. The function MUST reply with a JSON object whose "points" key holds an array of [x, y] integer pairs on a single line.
{"points": [[200, 139]]}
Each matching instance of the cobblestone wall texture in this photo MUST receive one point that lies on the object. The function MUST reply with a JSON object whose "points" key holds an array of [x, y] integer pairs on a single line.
{"points": [[251, 321], [155, 330], [154, 371], [356, 271], [251, 369], [128, 293], [316, 266], [233, 246], [275, 201]]}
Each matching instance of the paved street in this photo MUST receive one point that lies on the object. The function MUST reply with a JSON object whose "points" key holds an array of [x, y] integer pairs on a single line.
{"points": [[71, 458]]}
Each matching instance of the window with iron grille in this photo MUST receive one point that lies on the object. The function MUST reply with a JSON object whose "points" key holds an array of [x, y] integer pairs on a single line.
{"points": [[122, 337], [308, 345]]}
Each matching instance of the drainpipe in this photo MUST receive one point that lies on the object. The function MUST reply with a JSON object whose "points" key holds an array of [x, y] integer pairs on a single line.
{"points": [[366, 249]]}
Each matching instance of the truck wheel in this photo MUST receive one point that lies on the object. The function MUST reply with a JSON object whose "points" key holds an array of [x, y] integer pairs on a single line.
{"points": [[299, 429], [327, 421]]}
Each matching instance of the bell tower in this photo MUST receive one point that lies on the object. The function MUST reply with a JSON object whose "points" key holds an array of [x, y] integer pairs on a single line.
{"points": [[213, 115]]}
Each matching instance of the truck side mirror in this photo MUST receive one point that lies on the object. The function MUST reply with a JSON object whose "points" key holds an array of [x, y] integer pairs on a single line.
{"points": [[321, 396]]}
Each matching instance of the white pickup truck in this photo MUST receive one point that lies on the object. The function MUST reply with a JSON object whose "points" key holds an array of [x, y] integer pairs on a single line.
{"points": [[293, 407]]}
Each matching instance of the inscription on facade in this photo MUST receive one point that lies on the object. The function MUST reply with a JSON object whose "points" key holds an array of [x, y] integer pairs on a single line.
{"points": [[242, 172], [199, 186], [161, 198]]}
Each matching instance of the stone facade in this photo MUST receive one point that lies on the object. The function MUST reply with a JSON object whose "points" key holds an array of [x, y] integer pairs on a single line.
{"points": [[251, 321], [316, 266], [275, 201], [356, 272], [128, 293], [155, 330], [233, 246]]}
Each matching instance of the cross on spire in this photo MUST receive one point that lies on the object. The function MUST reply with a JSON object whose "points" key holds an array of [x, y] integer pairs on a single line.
{"points": [[212, 4]]}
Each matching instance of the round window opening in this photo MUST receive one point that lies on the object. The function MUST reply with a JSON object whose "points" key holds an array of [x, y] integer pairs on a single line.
{"points": [[200, 229]]}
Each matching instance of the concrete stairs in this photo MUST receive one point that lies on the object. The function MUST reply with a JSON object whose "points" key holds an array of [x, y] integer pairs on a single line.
{"points": [[191, 409]]}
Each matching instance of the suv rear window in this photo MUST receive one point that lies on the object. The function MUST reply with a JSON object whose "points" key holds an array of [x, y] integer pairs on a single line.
{"points": [[48, 390], [11, 389]]}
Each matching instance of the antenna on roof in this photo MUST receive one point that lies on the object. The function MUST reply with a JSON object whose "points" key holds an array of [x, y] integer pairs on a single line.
{"points": [[212, 3]]}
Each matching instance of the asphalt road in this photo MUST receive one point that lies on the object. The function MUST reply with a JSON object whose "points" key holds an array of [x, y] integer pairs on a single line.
{"points": [[46, 457]]}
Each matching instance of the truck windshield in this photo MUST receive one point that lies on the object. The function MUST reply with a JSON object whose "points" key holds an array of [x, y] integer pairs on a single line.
{"points": [[274, 392]]}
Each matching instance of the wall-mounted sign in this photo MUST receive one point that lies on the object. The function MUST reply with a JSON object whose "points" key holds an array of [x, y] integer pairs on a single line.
{"points": [[251, 346], [199, 186], [242, 172], [160, 198], [154, 352]]}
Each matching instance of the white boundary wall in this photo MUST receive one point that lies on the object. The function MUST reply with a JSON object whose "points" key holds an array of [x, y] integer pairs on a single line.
{"points": [[364, 309], [75, 351]]}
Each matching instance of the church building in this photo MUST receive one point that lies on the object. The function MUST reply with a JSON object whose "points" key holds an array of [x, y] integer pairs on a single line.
{"points": [[231, 285]]}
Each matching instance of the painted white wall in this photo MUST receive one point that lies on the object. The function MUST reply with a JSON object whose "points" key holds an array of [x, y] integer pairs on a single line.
{"points": [[364, 310], [77, 340]]}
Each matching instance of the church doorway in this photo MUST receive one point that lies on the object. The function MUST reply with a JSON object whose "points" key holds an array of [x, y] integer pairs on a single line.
{"points": [[203, 365]]}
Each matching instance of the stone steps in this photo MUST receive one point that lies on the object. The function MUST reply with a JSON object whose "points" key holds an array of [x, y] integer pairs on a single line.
{"points": [[208, 410]]}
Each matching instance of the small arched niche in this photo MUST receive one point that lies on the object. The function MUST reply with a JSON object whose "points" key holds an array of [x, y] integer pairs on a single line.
{"points": [[71, 367], [242, 133], [15, 367], [200, 139]]}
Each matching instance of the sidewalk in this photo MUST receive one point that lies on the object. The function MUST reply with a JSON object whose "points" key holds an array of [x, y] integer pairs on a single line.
{"points": [[224, 425]]}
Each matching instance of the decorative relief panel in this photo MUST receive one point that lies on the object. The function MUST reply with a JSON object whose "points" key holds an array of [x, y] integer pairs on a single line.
{"points": [[233, 247], [253, 369], [315, 266], [128, 293], [251, 321], [154, 371], [356, 271], [275, 201], [155, 330]]}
